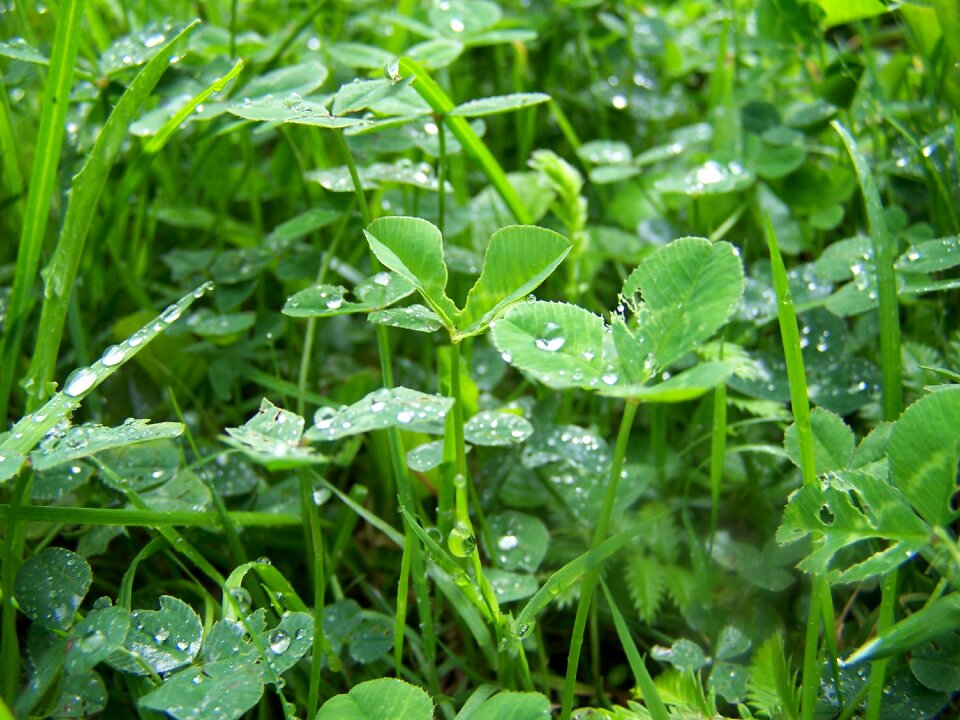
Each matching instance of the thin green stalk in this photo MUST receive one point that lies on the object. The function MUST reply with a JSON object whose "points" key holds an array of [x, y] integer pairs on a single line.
{"points": [[43, 178], [800, 405], [718, 452], [884, 253], [441, 177], [408, 498], [600, 534], [12, 559], [651, 696], [442, 105], [144, 518], [314, 540]]}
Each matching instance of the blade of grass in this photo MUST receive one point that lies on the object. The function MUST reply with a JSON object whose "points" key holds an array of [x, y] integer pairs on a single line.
{"points": [[145, 518], [800, 406], [43, 178], [884, 253], [441, 104], [651, 696], [85, 193], [599, 536]]}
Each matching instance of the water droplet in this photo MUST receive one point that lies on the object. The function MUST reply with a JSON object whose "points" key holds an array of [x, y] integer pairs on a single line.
{"points": [[404, 416], [171, 314], [619, 102], [461, 541], [161, 635], [508, 542], [79, 381], [279, 642], [112, 356], [610, 378], [457, 25], [382, 279], [551, 338]]}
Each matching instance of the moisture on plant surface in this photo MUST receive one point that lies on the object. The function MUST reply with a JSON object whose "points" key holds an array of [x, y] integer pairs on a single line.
{"points": [[480, 359]]}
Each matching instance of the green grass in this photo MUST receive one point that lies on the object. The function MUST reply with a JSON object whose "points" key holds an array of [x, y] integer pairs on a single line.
{"points": [[348, 348]]}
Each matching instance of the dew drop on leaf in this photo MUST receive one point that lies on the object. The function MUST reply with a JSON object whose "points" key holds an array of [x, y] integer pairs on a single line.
{"points": [[79, 381]]}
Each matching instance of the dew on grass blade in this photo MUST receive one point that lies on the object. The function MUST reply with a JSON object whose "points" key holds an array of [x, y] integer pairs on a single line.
{"points": [[79, 381]]}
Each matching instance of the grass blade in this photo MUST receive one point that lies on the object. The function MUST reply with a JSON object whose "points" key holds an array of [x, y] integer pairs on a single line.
{"points": [[85, 192], [42, 180]]}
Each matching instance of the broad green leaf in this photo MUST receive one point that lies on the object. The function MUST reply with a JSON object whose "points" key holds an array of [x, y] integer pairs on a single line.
{"points": [[937, 618], [511, 586], [50, 586], [82, 695], [520, 540], [711, 178], [937, 663], [498, 104], [227, 641], [931, 255], [19, 49], [490, 427], [605, 152], [413, 248], [358, 55], [681, 387], [85, 440], [287, 82], [293, 109], [379, 291], [288, 641], [272, 438], [207, 323], [419, 318], [731, 643], [683, 654], [839, 12], [689, 289], [360, 94], [426, 457], [217, 691], [395, 407], [729, 681], [833, 441], [377, 700], [560, 345], [462, 18], [372, 638], [513, 706], [138, 47], [517, 260], [435, 54], [338, 179], [95, 638], [160, 640], [846, 508], [923, 451]]}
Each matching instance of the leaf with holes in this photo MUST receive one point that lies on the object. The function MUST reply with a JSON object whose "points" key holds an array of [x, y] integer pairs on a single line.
{"points": [[272, 438], [846, 508]]}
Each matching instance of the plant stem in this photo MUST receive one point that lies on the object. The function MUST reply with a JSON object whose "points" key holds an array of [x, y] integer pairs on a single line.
{"points": [[590, 579], [800, 406], [400, 474], [12, 559]]}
